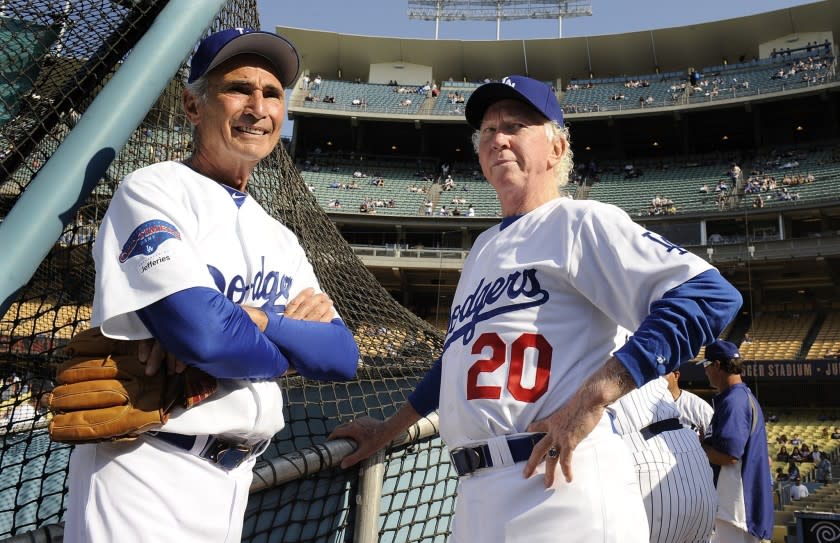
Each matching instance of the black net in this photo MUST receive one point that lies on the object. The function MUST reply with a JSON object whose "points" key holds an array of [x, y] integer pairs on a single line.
{"points": [[55, 57]]}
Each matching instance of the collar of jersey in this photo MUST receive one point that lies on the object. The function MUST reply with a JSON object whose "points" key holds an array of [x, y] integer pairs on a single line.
{"points": [[507, 221], [237, 196]]}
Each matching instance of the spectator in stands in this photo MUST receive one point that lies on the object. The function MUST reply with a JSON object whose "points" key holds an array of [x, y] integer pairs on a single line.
{"points": [[796, 440], [470, 211], [796, 455], [715, 238], [781, 475], [316, 83], [793, 470], [823, 471], [783, 455], [835, 434], [782, 439], [816, 454], [805, 451], [798, 490], [428, 207]]}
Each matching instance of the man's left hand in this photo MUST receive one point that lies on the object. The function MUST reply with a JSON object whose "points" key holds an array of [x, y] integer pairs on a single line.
{"points": [[569, 425], [564, 430], [151, 353]]}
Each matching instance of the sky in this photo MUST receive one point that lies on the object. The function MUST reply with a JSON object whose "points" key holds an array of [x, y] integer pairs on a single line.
{"points": [[390, 18]]}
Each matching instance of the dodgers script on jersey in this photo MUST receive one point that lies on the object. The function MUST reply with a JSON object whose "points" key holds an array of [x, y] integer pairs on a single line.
{"points": [[512, 353], [160, 237]]}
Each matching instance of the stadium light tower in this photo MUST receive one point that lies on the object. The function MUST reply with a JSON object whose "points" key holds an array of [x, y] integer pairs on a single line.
{"points": [[496, 10]]}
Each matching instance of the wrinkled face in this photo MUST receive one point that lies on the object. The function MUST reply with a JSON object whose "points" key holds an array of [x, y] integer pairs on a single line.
{"points": [[243, 113], [514, 146]]}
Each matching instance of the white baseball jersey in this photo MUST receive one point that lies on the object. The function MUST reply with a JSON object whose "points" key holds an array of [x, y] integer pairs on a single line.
{"points": [[540, 305], [695, 412], [168, 229], [672, 469]]}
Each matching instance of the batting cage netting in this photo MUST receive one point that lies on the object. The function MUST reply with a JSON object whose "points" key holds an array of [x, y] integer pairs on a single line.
{"points": [[56, 56]]}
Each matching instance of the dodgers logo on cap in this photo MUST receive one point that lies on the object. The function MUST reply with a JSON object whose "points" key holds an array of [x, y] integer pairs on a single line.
{"points": [[514, 87], [719, 350], [226, 44]]}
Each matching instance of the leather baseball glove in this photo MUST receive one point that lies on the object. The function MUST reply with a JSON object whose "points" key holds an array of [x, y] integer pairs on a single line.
{"points": [[104, 394]]}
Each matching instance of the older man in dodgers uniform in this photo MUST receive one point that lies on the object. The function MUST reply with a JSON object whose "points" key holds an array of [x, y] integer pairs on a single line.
{"points": [[561, 308], [184, 255]]}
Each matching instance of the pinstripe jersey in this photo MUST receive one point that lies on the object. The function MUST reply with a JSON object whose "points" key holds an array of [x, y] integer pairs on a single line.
{"points": [[695, 412], [672, 469]]}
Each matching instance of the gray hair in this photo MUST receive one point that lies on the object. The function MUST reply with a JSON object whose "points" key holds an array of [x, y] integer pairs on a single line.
{"points": [[200, 88], [553, 131]]}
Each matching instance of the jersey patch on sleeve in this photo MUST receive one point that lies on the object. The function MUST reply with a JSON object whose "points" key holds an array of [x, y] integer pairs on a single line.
{"points": [[147, 237]]}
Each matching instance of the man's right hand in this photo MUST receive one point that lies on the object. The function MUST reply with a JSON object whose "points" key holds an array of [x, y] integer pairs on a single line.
{"points": [[309, 306], [369, 434], [372, 434], [306, 306]]}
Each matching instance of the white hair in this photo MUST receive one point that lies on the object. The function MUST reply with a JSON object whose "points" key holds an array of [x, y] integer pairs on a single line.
{"points": [[553, 131]]}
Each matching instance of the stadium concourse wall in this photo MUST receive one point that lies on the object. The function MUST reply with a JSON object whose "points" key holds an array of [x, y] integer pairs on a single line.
{"points": [[299, 494]]}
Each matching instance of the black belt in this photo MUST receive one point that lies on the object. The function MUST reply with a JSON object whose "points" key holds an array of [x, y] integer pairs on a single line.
{"points": [[220, 451], [658, 427], [468, 459]]}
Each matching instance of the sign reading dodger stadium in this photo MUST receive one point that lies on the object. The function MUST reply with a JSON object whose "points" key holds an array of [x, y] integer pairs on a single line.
{"points": [[805, 369]]}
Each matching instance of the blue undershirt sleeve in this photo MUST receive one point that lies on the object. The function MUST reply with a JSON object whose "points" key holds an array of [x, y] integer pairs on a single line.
{"points": [[204, 329], [687, 317], [317, 350], [426, 396]]}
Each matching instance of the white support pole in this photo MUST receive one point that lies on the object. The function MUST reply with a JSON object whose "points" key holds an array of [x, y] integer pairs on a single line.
{"points": [[368, 498]]}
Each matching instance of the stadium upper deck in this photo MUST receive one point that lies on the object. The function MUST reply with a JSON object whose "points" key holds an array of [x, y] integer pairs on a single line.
{"points": [[415, 61]]}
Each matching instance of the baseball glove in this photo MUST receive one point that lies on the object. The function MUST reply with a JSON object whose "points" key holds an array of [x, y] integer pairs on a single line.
{"points": [[104, 394]]}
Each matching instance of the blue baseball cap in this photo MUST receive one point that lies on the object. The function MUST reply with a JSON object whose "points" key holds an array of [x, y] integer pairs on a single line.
{"points": [[225, 44], [719, 350], [514, 87]]}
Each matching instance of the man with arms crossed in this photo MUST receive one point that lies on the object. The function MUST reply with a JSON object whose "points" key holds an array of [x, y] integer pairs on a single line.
{"points": [[536, 346], [185, 256]]}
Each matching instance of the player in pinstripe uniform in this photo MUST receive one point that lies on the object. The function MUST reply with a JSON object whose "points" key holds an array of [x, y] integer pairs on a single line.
{"points": [[695, 412], [672, 470]]}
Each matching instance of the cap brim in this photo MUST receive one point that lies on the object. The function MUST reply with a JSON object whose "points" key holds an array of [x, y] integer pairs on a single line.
{"points": [[487, 95], [277, 50]]}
